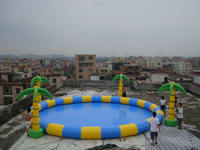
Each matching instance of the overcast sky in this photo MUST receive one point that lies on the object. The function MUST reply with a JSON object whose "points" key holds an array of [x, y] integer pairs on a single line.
{"points": [[102, 27]]}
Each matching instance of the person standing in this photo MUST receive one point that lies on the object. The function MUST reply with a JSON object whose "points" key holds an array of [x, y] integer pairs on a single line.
{"points": [[28, 117], [154, 129], [162, 104], [180, 115]]}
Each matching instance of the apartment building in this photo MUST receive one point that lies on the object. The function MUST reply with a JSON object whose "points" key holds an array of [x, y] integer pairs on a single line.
{"points": [[158, 78], [133, 71], [196, 77], [9, 92], [10, 87], [44, 71], [182, 68], [85, 66], [154, 62], [56, 79]]}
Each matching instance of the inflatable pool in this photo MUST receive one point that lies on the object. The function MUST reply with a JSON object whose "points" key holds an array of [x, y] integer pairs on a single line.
{"points": [[96, 117]]}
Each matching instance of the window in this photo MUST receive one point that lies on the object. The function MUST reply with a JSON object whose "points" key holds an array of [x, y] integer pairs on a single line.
{"points": [[80, 70], [80, 76], [81, 64], [90, 57], [8, 100], [85, 64], [7, 91], [17, 90], [54, 80], [81, 58], [90, 70], [9, 78]]}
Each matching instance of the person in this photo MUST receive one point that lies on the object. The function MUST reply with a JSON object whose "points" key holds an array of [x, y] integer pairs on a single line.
{"points": [[179, 115], [162, 104], [28, 117], [154, 129], [124, 91]]}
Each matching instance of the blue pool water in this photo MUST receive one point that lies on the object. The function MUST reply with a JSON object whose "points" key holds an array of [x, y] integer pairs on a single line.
{"points": [[94, 114]]}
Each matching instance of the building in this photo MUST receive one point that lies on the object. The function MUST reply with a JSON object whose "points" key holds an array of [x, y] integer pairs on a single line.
{"points": [[25, 74], [85, 65], [44, 71], [116, 67], [45, 62], [95, 77], [158, 78], [11, 84], [103, 68], [5, 66], [9, 92], [182, 68], [140, 60], [133, 71], [196, 77], [56, 79], [154, 62]]}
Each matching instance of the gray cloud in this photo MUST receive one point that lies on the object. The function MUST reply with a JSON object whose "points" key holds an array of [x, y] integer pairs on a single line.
{"points": [[102, 27]]}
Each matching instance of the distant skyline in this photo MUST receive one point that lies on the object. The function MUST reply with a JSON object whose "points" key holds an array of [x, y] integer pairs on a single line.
{"points": [[101, 27]]}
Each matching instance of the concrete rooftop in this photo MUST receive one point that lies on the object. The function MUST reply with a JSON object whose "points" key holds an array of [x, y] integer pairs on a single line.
{"points": [[169, 138]]}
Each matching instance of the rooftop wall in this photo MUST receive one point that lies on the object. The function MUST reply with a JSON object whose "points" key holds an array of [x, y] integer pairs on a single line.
{"points": [[102, 84], [18, 107]]}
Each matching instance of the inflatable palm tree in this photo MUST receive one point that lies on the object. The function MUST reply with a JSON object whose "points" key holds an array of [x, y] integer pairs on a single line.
{"points": [[35, 131], [38, 81], [172, 87], [120, 77]]}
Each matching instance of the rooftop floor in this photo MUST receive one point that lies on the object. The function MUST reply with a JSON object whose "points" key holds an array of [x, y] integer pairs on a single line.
{"points": [[169, 137]]}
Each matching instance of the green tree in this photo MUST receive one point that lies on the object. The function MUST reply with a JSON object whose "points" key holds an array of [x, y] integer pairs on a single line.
{"points": [[35, 130], [120, 77], [172, 87], [38, 80]]}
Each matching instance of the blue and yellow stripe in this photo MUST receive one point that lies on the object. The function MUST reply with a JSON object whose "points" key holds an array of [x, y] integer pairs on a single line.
{"points": [[97, 132]]}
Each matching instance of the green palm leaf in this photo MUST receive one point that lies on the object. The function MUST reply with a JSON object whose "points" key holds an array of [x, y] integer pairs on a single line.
{"points": [[117, 77], [178, 87], [44, 92], [170, 86], [165, 87], [25, 92], [125, 77], [41, 79]]}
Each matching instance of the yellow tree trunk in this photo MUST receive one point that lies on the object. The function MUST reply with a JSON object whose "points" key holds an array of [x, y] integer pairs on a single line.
{"points": [[39, 98], [171, 112], [120, 88], [35, 115]]}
